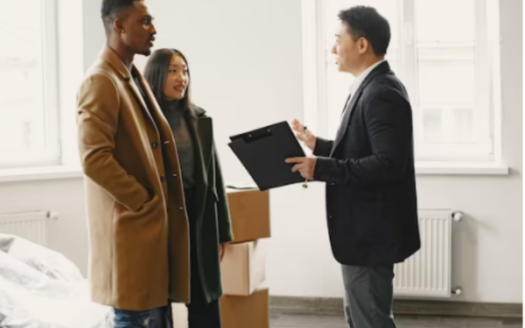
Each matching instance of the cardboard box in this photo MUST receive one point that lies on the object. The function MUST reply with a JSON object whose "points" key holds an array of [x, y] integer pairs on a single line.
{"points": [[250, 214], [243, 268], [246, 311]]}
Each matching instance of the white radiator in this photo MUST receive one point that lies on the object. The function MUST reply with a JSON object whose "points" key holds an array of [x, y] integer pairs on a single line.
{"points": [[28, 225], [428, 272]]}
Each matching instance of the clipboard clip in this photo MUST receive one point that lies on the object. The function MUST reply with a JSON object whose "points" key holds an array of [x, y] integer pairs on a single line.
{"points": [[256, 135]]}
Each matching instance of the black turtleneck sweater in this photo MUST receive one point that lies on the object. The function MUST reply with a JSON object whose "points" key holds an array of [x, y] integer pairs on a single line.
{"points": [[175, 114]]}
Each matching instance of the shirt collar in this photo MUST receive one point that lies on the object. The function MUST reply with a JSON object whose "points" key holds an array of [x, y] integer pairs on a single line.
{"points": [[357, 82]]}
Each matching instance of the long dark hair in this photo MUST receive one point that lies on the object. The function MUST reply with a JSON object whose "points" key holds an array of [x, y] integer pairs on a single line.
{"points": [[155, 74]]}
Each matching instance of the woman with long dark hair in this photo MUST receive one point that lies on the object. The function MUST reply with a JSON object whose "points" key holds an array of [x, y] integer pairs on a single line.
{"points": [[168, 75]]}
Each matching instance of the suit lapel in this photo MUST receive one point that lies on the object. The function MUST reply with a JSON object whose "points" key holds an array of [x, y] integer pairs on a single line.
{"points": [[345, 122], [347, 113], [343, 127], [346, 105]]}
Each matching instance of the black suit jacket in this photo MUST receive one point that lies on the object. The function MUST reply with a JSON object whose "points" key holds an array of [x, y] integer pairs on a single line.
{"points": [[371, 197]]}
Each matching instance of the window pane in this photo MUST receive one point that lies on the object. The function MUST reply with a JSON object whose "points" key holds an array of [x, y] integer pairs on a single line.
{"points": [[464, 129], [448, 124], [445, 21], [433, 125], [446, 70], [22, 79], [446, 81]]}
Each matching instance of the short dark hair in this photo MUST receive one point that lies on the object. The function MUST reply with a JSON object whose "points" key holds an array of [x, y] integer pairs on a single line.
{"points": [[366, 22], [111, 9], [156, 71]]}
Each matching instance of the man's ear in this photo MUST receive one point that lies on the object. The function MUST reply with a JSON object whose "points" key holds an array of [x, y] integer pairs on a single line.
{"points": [[363, 45], [117, 26]]}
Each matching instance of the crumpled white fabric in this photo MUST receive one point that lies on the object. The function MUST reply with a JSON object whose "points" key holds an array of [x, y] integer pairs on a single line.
{"points": [[40, 288], [51, 263]]}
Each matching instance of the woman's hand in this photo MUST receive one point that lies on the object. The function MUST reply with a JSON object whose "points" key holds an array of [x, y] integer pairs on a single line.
{"points": [[222, 249]]}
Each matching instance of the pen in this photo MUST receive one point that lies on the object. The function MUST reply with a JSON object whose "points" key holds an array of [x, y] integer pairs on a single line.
{"points": [[305, 184]]}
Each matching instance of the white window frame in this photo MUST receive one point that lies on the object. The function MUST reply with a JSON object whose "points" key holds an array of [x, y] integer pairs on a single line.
{"points": [[316, 114], [65, 64], [483, 89], [50, 156]]}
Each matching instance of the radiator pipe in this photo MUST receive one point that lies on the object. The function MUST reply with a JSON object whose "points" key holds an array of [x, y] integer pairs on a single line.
{"points": [[457, 291], [52, 215], [457, 216]]}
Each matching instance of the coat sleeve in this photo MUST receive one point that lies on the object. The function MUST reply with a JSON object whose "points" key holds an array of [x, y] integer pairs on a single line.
{"points": [[224, 219], [388, 120], [323, 147], [97, 119]]}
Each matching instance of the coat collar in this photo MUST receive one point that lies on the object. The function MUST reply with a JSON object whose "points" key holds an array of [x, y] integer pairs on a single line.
{"points": [[110, 56], [197, 111], [203, 130]]}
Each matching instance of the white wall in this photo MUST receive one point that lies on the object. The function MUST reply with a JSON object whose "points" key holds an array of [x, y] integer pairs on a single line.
{"points": [[245, 58]]}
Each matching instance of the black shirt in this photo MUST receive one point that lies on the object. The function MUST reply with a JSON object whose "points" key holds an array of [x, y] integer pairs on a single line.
{"points": [[175, 114], [139, 86]]}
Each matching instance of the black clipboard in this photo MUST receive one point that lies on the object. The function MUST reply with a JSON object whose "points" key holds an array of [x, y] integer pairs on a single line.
{"points": [[263, 151]]}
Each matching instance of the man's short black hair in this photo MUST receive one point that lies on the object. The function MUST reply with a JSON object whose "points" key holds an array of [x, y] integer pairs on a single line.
{"points": [[110, 10], [366, 22]]}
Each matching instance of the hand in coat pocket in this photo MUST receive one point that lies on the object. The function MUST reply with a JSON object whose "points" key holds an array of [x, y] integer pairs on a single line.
{"points": [[222, 250], [150, 197]]}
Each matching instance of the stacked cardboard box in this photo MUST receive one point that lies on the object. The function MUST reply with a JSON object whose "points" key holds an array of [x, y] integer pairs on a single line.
{"points": [[245, 303]]}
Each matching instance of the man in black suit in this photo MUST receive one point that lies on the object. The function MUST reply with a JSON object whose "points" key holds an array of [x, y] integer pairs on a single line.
{"points": [[371, 200]]}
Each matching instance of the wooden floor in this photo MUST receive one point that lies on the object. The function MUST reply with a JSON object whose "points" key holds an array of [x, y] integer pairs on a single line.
{"points": [[316, 321]]}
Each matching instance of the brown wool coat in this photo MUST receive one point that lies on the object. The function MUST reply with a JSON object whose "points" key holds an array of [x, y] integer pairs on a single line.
{"points": [[139, 250]]}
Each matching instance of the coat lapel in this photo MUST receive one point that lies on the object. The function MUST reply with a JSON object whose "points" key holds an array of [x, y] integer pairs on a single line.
{"points": [[108, 55], [345, 122], [201, 129]]}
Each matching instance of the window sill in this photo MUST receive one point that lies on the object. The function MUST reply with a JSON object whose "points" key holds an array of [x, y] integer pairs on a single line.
{"points": [[461, 168], [40, 173]]}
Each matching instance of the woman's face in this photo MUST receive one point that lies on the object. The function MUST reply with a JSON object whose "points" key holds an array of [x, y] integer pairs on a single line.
{"points": [[177, 79]]}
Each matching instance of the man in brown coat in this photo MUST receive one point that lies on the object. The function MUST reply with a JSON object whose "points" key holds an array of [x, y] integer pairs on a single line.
{"points": [[138, 228]]}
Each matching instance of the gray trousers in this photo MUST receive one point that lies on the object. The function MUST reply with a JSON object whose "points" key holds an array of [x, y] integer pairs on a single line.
{"points": [[368, 296]]}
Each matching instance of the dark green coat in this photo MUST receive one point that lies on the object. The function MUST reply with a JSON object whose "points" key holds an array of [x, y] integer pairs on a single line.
{"points": [[213, 217]]}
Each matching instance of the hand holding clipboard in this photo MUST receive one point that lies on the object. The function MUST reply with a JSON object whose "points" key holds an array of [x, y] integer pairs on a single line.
{"points": [[267, 153], [262, 152], [305, 165]]}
